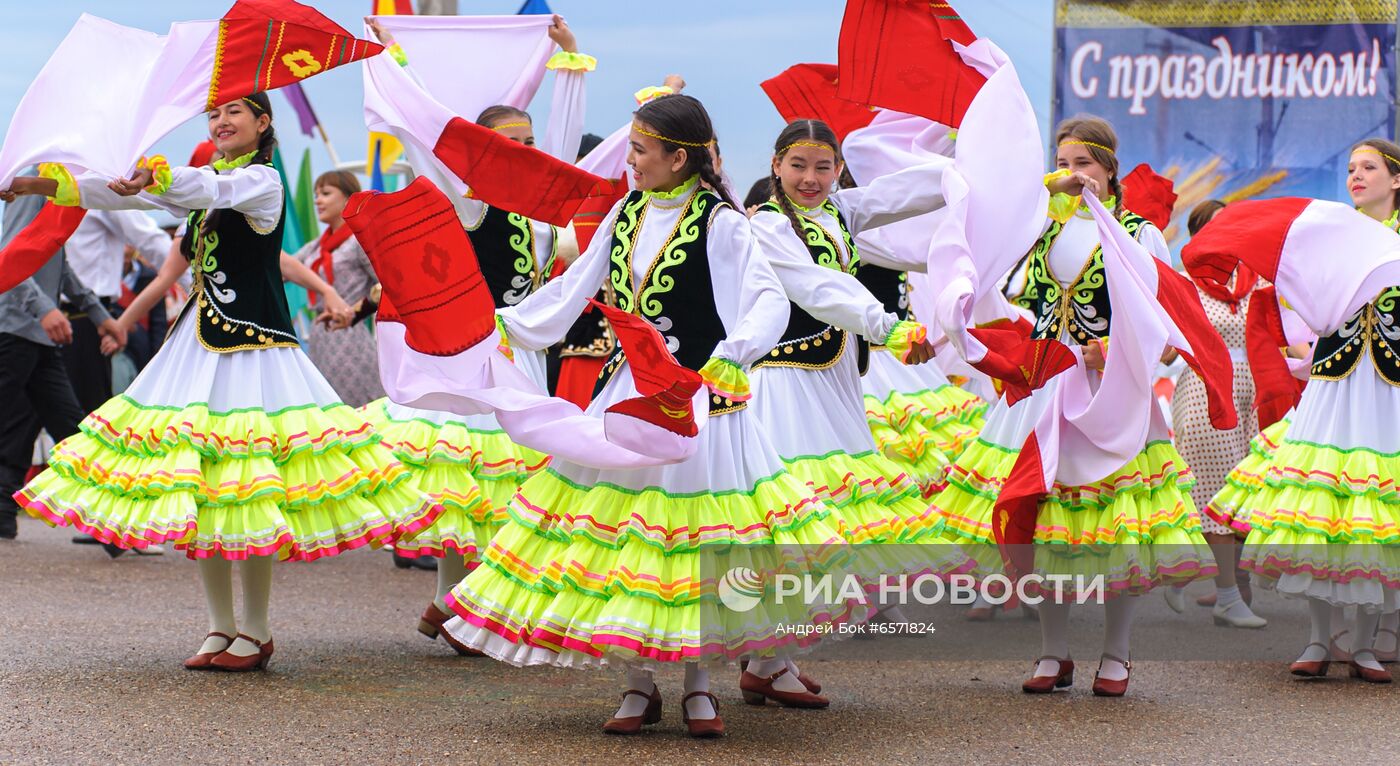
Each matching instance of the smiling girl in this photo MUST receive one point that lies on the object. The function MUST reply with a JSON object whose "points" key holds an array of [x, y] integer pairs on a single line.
{"points": [[1136, 527], [229, 444], [633, 568], [808, 233]]}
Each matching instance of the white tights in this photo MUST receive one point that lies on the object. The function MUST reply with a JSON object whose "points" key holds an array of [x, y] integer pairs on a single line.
{"points": [[451, 570], [1117, 636], [216, 574], [697, 679]]}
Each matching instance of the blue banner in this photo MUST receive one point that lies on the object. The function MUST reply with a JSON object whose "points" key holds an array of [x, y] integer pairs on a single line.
{"points": [[1232, 111]]}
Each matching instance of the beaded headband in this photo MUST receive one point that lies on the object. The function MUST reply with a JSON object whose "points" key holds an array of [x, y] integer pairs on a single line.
{"points": [[256, 106], [512, 125], [1087, 143], [785, 149], [658, 137], [1369, 148]]}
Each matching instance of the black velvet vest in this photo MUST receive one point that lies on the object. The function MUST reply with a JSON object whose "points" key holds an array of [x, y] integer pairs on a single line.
{"points": [[809, 343], [507, 252], [1376, 327], [1083, 307], [238, 293], [677, 294]]}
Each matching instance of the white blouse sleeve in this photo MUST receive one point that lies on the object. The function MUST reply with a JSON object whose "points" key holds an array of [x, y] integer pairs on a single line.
{"points": [[876, 249], [829, 295], [253, 190], [747, 293], [542, 319], [912, 191], [1151, 239], [564, 134]]}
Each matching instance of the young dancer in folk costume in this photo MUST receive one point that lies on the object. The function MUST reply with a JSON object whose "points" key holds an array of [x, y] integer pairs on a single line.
{"points": [[808, 234], [1324, 518], [347, 357], [1137, 526], [468, 462], [229, 444], [620, 567]]}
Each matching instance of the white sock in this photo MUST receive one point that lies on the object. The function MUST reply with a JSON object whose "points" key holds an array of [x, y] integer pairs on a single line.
{"points": [[256, 572], [787, 682], [1054, 636], [697, 679], [1365, 637], [1117, 636], [1319, 631], [1386, 641], [1227, 596], [634, 705], [451, 570], [216, 575]]}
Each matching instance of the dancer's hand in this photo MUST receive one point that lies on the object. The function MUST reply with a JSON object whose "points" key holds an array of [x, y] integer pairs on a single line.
{"points": [[337, 313], [919, 353], [1074, 184], [562, 35], [675, 82], [379, 31], [113, 335], [128, 187], [1093, 354]]}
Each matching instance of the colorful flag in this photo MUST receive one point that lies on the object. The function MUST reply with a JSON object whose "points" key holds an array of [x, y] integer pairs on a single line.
{"points": [[534, 7], [391, 7], [304, 206], [383, 150], [293, 237], [306, 116], [376, 174]]}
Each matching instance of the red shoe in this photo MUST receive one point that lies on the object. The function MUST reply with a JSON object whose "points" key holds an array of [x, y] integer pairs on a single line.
{"points": [[1369, 675], [633, 724], [1310, 668], [759, 690], [234, 663], [704, 728], [757, 699], [201, 661], [1336, 652], [1386, 658], [430, 625], [1105, 688], [980, 614], [1046, 684]]}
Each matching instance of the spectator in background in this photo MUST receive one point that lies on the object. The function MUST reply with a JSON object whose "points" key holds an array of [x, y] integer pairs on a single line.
{"points": [[96, 254], [759, 193], [347, 357], [35, 391]]}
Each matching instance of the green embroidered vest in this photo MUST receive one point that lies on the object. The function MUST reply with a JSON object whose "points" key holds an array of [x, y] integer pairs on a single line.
{"points": [[676, 295], [809, 343], [1082, 309], [507, 252]]}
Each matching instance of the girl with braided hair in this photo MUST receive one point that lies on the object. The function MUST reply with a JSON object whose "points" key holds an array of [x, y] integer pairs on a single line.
{"points": [[808, 232], [230, 443], [670, 564]]}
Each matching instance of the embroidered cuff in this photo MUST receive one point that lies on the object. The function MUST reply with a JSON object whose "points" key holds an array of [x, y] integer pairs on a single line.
{"points": [[504, 345], [727, 379], [647, 94], [161, 175], [903, 337], [397, 54], [574, 62], [67, 194]]}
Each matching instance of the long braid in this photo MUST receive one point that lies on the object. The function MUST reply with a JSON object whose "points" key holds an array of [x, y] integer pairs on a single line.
{"points": [[785, 205], [711, 177]]}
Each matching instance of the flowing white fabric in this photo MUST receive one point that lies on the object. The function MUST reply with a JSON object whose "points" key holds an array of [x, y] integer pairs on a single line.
{"points": [[1324, 298], [131, 87], [481, 380]]}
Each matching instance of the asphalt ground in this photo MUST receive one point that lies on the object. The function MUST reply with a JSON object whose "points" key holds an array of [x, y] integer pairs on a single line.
{"points": [[90, 652]]}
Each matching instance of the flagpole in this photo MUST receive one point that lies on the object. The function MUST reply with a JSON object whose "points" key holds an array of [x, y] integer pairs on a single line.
{"points": [[335, 159]]}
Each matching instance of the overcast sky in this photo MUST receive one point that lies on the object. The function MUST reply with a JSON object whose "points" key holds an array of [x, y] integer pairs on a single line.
{"points": [[723, 48]]}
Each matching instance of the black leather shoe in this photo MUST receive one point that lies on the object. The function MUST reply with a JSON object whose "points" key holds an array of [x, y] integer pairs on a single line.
{"points": [[9, 525], [84, 540], [112, 550]]}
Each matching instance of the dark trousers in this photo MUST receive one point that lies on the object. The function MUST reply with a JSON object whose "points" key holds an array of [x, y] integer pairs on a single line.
{"points": [[89, 372], [34, 393]]}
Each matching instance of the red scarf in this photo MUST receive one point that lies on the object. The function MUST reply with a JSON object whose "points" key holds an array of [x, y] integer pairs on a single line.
{"points": [[325, 262], [1244, 283]]}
